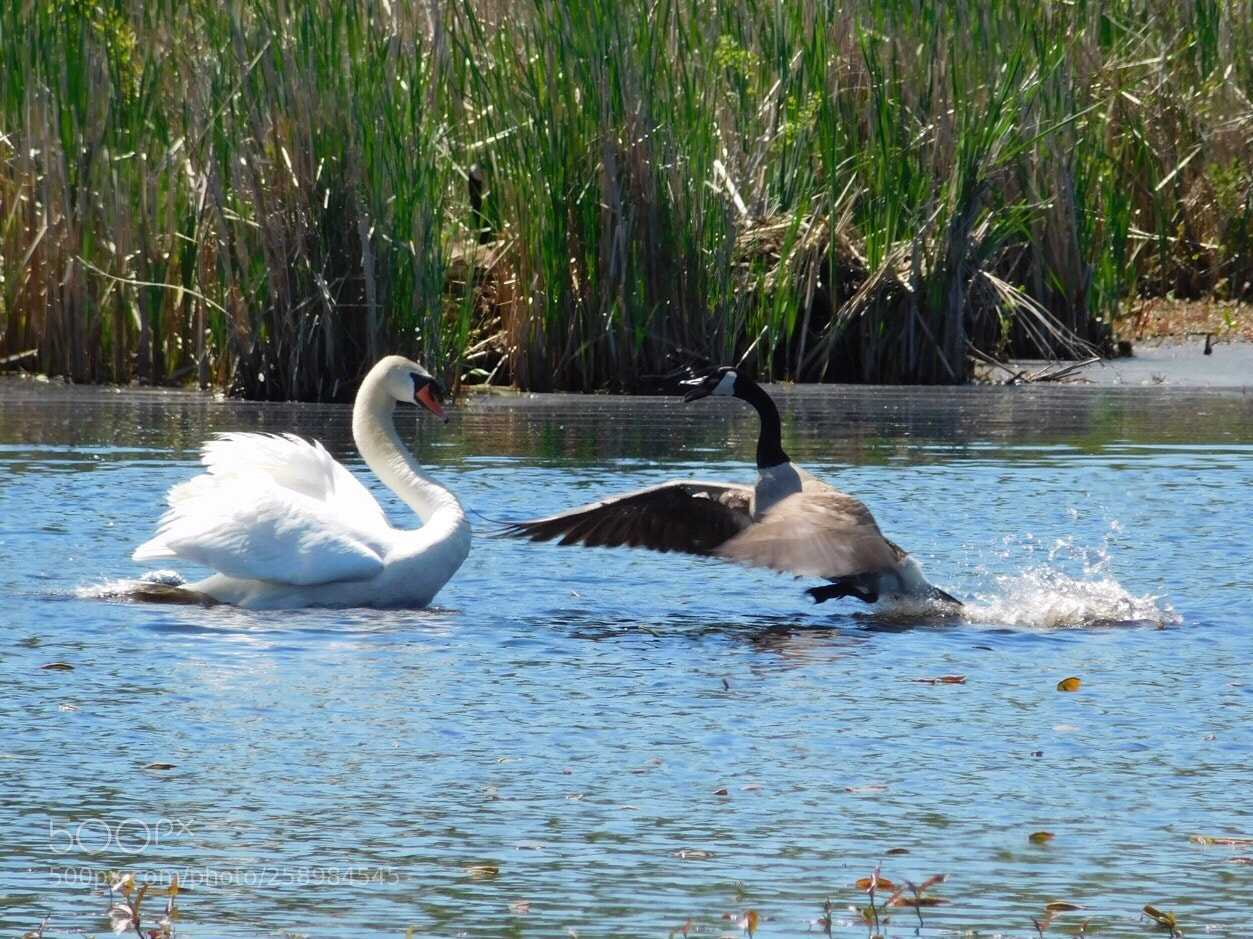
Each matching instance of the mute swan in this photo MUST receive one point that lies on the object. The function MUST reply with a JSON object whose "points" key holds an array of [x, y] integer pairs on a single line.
{"points": [[285, 525], [789, 521]]}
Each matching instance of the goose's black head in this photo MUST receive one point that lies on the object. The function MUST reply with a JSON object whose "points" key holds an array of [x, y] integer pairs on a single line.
{"points": [[724, 380], [729, 381]]}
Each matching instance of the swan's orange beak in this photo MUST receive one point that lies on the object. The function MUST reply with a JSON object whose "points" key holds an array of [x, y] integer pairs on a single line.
{"points": [[426, 397]]}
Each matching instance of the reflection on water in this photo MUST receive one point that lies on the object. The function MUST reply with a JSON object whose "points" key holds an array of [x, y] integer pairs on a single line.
{"points": [[618, 742]]}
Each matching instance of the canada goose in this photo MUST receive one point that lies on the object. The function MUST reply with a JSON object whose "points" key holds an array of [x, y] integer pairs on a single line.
{"points": [[285, 525], [789, 521]]}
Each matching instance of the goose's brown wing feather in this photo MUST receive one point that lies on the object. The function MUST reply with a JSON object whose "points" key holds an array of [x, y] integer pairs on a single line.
{"points": [[691, 516], [816, 534]]}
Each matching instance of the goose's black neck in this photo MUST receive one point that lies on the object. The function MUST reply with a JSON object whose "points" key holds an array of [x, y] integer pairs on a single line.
{"points": [[770, 439]]}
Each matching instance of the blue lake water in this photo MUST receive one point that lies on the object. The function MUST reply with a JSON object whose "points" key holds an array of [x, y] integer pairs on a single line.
{"points": [[617, 743]]}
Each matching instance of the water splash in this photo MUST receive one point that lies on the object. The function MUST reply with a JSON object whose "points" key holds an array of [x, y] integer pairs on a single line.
{"points": [[1048, 596], [1044, 598], [126, 587]]}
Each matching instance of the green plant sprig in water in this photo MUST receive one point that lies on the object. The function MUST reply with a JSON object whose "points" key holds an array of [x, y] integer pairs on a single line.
{"points": [[126, 899]]}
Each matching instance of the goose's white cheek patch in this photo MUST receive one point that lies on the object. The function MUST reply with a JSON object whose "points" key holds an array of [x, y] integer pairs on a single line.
{"points": [[727, 385]]}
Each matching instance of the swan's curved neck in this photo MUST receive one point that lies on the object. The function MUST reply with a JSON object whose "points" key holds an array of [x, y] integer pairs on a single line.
{"points": [[374, 430], [770, 438]]}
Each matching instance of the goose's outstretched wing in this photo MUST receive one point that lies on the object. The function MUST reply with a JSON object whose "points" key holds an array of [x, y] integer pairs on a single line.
{"points": [[689, 516], [815, 534]]}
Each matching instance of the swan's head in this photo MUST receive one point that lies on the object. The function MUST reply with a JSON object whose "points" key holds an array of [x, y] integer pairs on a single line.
{"points": [[718, 381], [409, 383]]}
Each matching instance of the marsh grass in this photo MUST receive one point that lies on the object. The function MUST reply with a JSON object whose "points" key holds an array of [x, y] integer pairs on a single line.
{"points": [[266, 196]]}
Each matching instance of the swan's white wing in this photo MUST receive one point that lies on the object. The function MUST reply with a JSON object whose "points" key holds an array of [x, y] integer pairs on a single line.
{"points": [[274, 508], [691, 516], [248, 526], [292, 463], [816, 534]]}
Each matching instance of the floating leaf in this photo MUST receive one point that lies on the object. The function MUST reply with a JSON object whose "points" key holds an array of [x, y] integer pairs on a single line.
{"points": [[523, 906], [1069, 684], [58, 666], [161, 766], [750, 922], [891, 852], [942, 680], [751, 787], [1061, 906], [1162, 919], [482, 871], [881, 883], [1229, 842], [932, 881], [1040, 837], [692, 855], [681, 930], [1240, 859], [861, 789], [720, 792], [917, 901]]}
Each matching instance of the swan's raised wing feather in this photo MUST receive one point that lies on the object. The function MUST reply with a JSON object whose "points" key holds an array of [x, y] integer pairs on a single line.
{"points": [[815, 534], [691, 516], [292, 462], [248, 526], [272, 507]]}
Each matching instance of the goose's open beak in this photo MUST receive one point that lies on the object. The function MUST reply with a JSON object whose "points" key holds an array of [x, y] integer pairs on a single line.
{"points": [[699, 389], [426, 398]]}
